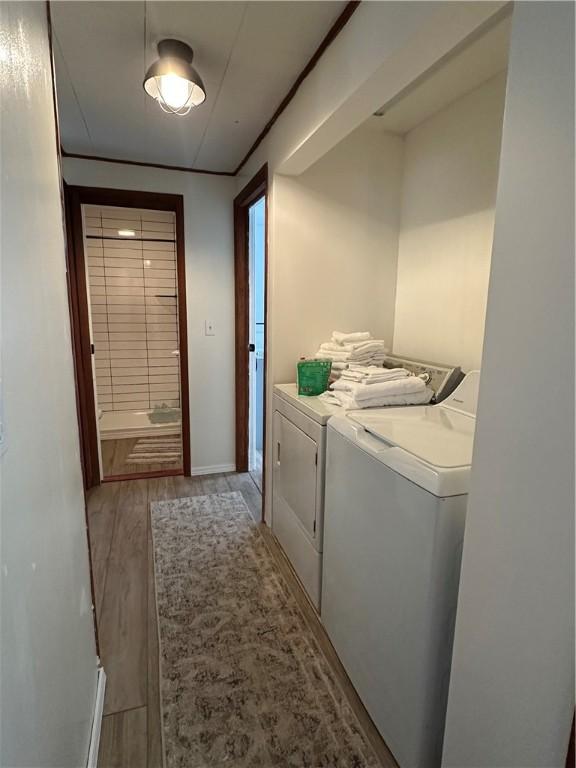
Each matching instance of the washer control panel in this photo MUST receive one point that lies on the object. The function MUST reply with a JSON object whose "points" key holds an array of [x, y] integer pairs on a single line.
{"points": [[441, 378]]}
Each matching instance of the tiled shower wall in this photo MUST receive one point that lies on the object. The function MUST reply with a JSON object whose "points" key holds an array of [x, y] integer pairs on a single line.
{"points": [[134, 307]]}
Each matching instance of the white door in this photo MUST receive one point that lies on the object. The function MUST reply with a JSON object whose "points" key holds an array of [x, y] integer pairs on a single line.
{"points": [[296, 470]]}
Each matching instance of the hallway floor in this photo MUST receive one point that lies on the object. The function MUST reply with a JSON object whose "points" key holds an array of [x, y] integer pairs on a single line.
{"points": [[121, 543], [116, 455]]}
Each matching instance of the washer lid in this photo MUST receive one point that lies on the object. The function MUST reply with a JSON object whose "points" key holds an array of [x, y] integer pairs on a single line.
{"points": [[439, 436]]}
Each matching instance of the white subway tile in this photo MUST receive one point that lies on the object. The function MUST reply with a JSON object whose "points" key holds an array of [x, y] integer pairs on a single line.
{"points": [[164, 378], [126, 389], [160, 248], [115, 327], [159, 336], [125, 299], [130, 379], [135, 406], [167, 370], [125, 354], [127, 335], [124, 282], [166, 216], [128, 290], [127, 397], [116, 272]]}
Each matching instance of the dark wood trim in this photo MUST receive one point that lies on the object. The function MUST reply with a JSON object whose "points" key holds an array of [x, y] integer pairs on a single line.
{"points": [[265, 376], [183, 335], [241, 341], [145, 165], [79, 300], [81, 350], [332, 34], [256, 188], [139, 475]]}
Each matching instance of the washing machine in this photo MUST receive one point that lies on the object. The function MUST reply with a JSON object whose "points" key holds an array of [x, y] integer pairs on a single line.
{"points": [[395, 507]]}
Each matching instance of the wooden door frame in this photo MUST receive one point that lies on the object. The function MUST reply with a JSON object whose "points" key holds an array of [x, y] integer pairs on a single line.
{"points": [[75, 197], [256, 188]]}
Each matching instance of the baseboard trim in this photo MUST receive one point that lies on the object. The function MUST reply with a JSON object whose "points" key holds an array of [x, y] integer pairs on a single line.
{"points": [[97, 720], [214, 469]]}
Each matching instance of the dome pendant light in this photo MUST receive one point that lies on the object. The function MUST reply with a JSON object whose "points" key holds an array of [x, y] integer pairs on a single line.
{"points": [[173, 81]]}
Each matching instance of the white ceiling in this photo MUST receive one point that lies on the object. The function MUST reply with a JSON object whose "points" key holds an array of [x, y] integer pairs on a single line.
{"points": [[248, 54]]}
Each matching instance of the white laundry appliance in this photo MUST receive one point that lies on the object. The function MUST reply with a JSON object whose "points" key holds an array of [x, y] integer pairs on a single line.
{"points": [[299, 443], [396, 491]]}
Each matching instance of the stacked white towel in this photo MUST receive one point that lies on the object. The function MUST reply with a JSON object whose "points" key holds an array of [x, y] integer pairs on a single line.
{"points": [[402, 390], [372, 374], [346, 349], [350, 338]]}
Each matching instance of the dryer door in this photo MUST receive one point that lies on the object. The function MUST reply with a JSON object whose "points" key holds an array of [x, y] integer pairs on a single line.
{"points": [[295, 471]]}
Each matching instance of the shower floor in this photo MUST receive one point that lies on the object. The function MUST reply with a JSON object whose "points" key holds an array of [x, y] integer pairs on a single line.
{"points": [[113, 425], [116, 456]]}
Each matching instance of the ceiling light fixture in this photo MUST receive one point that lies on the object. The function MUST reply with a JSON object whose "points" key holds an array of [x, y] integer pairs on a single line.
{"points": [[173, 81], [127, 233]]}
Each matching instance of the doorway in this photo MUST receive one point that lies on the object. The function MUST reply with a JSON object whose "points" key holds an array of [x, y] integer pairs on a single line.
{"points": [[128, 305], [257, 349], [250, 240]]}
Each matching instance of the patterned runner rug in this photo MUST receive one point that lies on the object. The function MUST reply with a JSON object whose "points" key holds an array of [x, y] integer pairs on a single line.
{"points": [[243, 681], [156, 450]]}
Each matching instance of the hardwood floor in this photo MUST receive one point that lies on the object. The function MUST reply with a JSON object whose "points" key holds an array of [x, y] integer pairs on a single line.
{"points": [[123, 567], [119, 524], [115, 462]]}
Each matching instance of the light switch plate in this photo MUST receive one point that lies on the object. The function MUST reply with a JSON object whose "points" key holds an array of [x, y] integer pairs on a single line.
{"points": [[209, 328]]}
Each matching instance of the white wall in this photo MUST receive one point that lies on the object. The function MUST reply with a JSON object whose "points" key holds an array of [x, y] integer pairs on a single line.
{"points": [[447, 223], [334, 261], [48, 657], [512, 686], [377, 202], [209, 294], [383, 48], [337, 235]]}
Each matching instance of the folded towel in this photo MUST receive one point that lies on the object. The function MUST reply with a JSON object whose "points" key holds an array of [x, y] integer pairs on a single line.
{"points": [[369, 381], [375, 345], [349, 403], [344, 357], [368, 370], [341, 338], [360, 392], [371, 374]]}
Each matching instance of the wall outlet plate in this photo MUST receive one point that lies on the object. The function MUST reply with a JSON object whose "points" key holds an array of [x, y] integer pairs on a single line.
{"points": [[209, 328]]}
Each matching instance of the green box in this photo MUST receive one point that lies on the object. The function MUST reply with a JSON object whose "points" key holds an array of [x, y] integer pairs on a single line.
{"points": [[313, 376]]}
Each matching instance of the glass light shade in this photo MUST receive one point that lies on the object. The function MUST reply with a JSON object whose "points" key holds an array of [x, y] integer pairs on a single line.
{"points": [[173, 81]]}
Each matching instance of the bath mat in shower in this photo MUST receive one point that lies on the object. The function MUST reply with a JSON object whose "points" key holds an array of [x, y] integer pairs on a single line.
{"points": [[164, 414], [156, 450], [243, 681]]}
